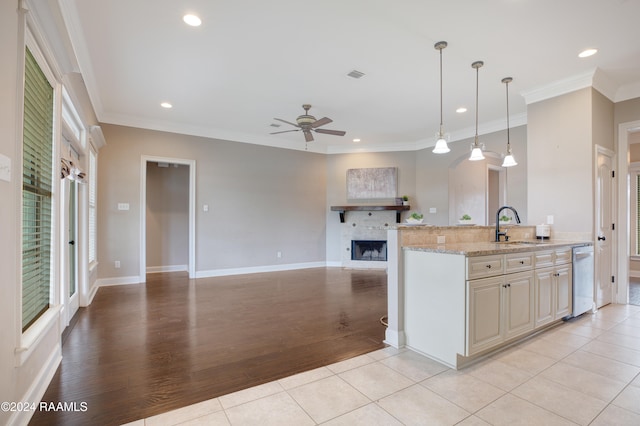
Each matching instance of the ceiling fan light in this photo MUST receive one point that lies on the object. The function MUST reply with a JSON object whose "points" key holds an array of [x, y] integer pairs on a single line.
{"points": [[509, 161], [441, 146]]}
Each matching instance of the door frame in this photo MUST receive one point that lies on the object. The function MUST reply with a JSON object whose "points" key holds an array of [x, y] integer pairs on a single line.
{"points": [[144, 160], [622, 293]]}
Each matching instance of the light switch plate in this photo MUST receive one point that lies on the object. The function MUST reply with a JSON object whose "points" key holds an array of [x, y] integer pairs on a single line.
{"points": [[432, 210], [5, 168], [123, 206]]}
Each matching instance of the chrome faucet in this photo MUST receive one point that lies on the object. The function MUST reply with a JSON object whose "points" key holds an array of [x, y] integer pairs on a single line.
{"points": [[498, 233]]}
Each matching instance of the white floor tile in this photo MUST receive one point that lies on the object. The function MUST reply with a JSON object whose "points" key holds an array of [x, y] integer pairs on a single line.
{"points": [[629, 399], [414, 366], [251, 394], [499, 374], [369, 415], [617, 416], [463, 389], [304, 378], [570, 404], [615, 352], [376, 380], [584, 381], [604, 366], [512, 411], [328, 398], [418, 405], [277, 410], [214, 419], [184, 414], [350, 364]]}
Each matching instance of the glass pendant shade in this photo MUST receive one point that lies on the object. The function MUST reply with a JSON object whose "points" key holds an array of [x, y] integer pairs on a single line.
{"points": [[509, 161], [476, 154], [441, 145]]}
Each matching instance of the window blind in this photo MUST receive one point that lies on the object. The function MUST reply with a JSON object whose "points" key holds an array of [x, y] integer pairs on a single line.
{"points": [[37, 167]]}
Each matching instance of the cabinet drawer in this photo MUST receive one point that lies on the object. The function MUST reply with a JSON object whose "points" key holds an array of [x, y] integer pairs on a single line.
{"points": [[516, 262], [484, 266], [543, 258], [563, 255]]}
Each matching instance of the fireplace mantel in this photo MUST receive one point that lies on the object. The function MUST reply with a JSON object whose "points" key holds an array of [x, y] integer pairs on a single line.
{"points": [[343, 209]]}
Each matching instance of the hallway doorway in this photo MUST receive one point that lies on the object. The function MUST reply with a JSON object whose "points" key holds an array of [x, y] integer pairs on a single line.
{"points": [[167, 243]]}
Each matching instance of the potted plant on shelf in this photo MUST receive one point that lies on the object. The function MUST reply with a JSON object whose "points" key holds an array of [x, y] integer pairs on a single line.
{"points": [[405, 200], [465, 220], [415, 218]]}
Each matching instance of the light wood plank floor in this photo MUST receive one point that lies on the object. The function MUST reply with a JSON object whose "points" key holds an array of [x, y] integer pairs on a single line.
{"points": [[141, 350]]}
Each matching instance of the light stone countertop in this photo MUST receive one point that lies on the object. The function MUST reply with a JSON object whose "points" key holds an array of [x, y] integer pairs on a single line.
{"points": [[471, 249]]}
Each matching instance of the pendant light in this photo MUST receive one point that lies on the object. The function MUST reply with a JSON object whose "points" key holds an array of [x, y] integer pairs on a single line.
{"points": [[508, 161], [476, 148], [441, 144]]}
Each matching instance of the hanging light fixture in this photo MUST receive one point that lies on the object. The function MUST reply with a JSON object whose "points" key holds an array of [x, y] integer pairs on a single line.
{"points": [[476, 148], [441, 144], [508, 161]]}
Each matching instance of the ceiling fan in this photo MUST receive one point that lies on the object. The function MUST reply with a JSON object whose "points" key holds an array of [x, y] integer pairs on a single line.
{"points": [[308, 123]]}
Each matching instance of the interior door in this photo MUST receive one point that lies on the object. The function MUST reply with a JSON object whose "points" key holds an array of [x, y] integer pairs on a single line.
{"points": [[605, 214], [70, 261]]}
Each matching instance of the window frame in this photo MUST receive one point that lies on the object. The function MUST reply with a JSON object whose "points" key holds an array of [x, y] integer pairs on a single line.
{"points": [[27, 340], [634, 214]]}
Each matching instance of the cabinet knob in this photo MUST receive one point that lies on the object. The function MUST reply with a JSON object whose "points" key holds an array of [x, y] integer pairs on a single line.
{"points": [[488, 266], [522, 262]]}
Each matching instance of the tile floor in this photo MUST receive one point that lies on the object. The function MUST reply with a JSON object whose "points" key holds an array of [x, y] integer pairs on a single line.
{"points": [[585, 371]]}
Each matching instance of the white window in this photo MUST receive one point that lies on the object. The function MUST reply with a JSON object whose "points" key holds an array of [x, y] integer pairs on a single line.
{"points": [[93, 177], [37, 191]]}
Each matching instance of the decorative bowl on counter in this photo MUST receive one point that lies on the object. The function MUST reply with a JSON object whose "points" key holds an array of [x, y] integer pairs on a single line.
{"points": [[414, 221], [465, 222]]}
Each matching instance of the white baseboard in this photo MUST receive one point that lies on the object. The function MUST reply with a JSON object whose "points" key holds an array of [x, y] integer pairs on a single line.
{"points": [[38, 387], [258, 269], [168, 268], [634, 274], [105, 282]]}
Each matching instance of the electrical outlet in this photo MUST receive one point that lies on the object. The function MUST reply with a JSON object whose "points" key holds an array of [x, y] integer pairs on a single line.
{"points": [[432, 210], [550, 219], [117, 264], [441, 239], [279, 254]]}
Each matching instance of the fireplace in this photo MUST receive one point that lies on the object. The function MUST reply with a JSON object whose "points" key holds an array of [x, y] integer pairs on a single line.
{"points": [[369, 250]]}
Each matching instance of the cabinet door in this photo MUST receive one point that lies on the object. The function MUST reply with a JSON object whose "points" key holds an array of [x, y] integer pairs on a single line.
{"points": [[544, 296], [484, 307], [518, 292], [563, 284]]}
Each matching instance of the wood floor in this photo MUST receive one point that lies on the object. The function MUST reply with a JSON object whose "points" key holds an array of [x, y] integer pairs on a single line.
{"points": [[140, 350]]}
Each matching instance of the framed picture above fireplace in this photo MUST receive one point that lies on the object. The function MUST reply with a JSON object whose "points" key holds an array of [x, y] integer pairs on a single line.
{"points": [[372, 183]]}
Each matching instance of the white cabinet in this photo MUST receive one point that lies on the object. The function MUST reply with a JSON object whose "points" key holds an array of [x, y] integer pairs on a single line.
{"points": [[459, 307], [553, 286], [499, 309]]}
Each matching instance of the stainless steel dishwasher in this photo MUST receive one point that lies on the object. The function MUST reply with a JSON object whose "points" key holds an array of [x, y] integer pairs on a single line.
{"points": [[582, 280]]}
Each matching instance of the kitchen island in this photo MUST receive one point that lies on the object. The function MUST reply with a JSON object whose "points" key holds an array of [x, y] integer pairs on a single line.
{"points": [[460, 300]]}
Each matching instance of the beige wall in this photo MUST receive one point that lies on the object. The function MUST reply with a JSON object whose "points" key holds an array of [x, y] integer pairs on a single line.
{"points": [[261, 200], [167, 216], [560, 154]]}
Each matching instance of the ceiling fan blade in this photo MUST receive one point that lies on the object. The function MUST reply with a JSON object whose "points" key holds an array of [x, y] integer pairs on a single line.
{"points": [[308, 136], [331, 132], [321, 122], [285, 131], [285, 121]]}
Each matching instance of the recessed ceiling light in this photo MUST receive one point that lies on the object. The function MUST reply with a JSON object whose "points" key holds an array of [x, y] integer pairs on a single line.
{"points": [[166, 105], [461, 110], [587, 52], [192, 20], [356, 140]]}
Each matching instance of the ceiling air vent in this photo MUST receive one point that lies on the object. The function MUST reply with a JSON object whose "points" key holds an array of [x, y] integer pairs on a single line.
{"points": [[274, 125], [355, 74]]}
